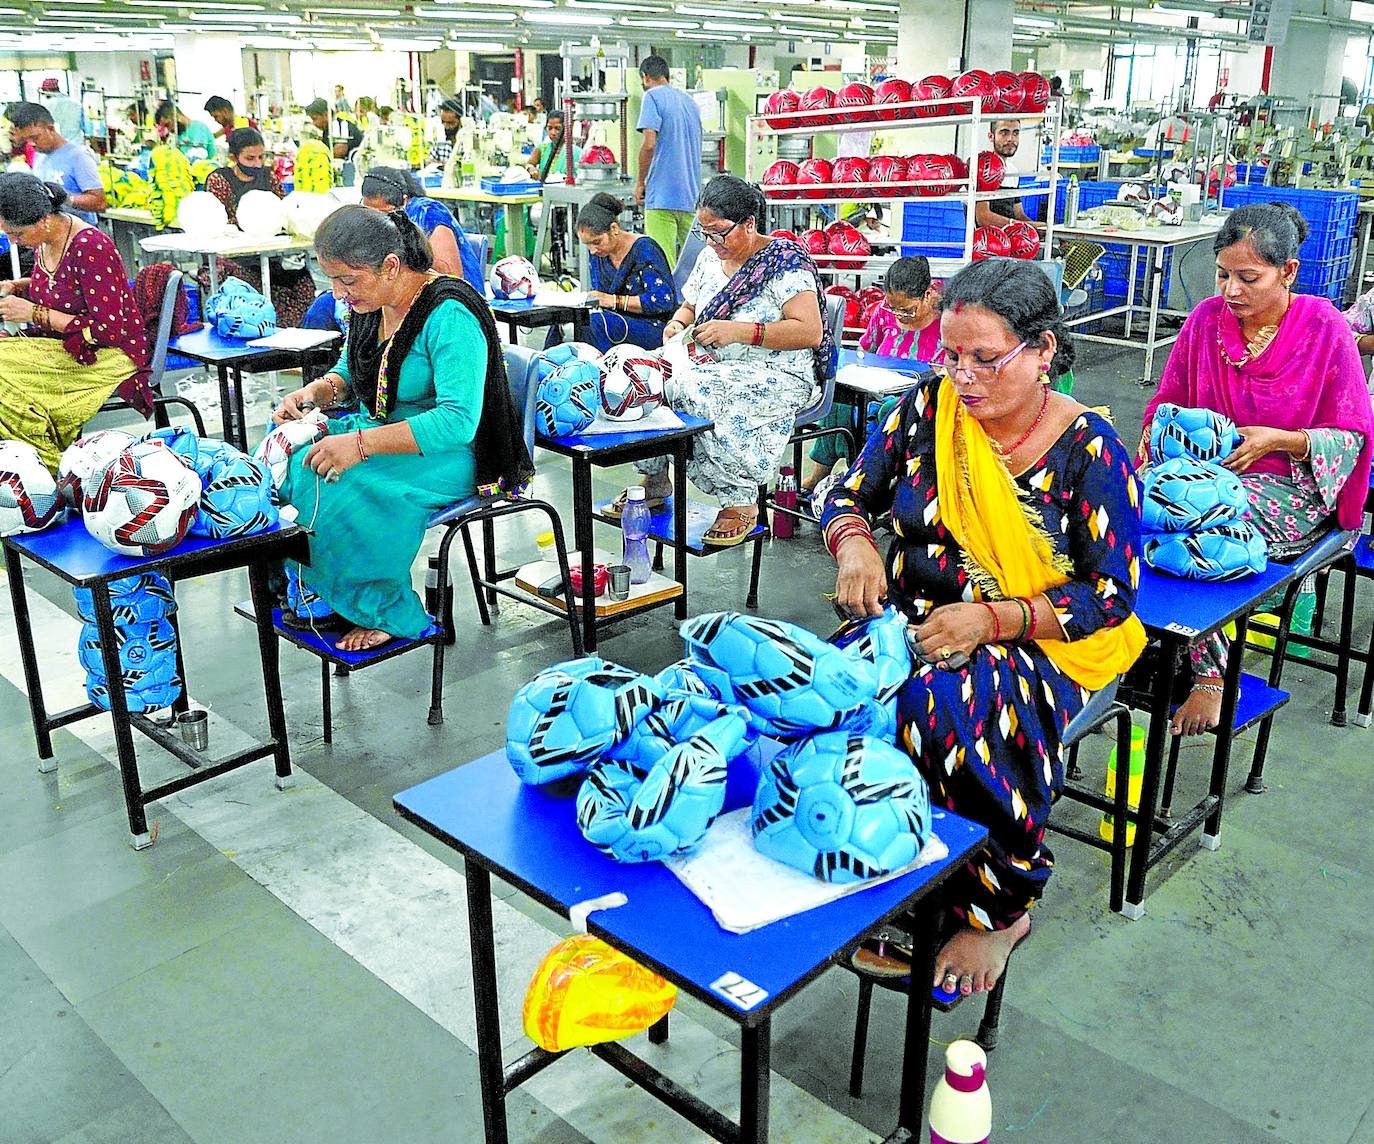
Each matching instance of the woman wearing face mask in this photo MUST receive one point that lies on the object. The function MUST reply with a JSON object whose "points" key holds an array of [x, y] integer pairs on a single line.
{"points": [[292, 290], [633, 283], [1285, 368]]}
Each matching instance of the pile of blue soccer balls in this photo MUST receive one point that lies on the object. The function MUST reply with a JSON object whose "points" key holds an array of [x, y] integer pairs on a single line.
{"points": [[1195, 513], [815, 722]]}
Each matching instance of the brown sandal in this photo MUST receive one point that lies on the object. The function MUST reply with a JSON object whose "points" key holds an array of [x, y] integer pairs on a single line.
{"points": [[732, 526], [617, 507]]}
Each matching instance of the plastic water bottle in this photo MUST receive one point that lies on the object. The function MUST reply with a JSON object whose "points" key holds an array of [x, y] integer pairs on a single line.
{"points": [[634, 523], [961, 1108], [783, 525], [1071, 202]]}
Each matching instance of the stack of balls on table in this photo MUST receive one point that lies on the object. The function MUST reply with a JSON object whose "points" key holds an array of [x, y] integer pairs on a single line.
{"points": [[839, 801], [576, 381], [1194, 514]]}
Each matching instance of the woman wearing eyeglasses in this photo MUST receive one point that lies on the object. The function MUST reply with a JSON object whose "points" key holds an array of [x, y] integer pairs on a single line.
{"points": [[1016, 558], [753, 305], [389, 188]]}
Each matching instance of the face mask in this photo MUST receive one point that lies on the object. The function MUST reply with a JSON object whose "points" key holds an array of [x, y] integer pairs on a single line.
{"points": [[248, 172]]}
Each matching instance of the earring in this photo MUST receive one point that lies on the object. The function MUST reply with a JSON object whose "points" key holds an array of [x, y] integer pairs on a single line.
{"points": [[1044, 373]]}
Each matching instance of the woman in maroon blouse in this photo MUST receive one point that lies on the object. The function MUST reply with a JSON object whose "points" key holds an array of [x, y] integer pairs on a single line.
{"points": [[82, 335]]}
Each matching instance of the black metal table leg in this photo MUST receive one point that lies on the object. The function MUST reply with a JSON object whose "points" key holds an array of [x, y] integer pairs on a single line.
{"points": [[258, 572], [226, 404], [1338, 715], [755, 1062], [680, 452], [119, 714], [490, 1070], [911, 1102], [23, 626], [240, 417], [1161, 689], [1221, 752], [582, 535], [182, 703]]}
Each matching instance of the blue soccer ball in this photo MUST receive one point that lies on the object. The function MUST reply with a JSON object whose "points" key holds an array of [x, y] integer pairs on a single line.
{"points": [[302, 599], [236, 499], [842, 807], [1227, 552], [568, 398], [184, 443], [1201, 434], [791, 680], [882, 641], [637, 814], [147, 665], [675, 720], [875, 718], [553, 357], [1184, 495], [139, 599], [684, 677], [573, 713]]}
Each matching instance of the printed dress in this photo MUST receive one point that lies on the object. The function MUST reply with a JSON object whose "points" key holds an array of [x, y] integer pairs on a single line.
{"points": [[643, 274], [988, 739], [752, 394]]}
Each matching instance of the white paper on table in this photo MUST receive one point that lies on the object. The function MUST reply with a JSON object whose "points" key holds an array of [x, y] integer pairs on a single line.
{"points": [[874, 379], [553, 296], [745, 890], [660, 418], [293, 338]]}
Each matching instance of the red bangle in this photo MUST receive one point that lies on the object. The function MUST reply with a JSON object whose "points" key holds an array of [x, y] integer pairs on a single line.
{"points": [[362, 453], [846, 529], [996, 621], [1034, 619], [758, 333]]}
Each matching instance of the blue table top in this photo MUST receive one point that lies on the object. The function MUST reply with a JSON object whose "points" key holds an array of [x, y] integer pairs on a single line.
{"points": [[599, 442], [530, 306], [529, 836], [1191, 608], [75, 555], [208, 346], [907, 366]]}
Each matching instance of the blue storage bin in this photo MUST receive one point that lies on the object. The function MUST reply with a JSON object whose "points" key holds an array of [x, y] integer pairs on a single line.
{"points": [[1322, 209], [1323, 273], [1086, 154], [935, 229], [1091, 193], [495, 186], [1250, 173]]}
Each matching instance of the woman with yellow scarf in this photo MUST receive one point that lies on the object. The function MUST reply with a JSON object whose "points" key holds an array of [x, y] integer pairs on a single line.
{"points": [[1016, 558]]}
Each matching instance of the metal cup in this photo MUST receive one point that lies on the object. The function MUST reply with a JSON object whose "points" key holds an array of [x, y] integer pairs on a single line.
{"points": [[620, 581], [195, 729]]}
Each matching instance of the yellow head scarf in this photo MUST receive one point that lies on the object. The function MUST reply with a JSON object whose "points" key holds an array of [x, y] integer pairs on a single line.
{"points": [[984, 512]]}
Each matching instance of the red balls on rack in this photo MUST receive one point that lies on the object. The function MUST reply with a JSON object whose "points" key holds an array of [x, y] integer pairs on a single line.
{"points": [[842, 238], [815, 175], [887, 173], [1009, 91], [790, 235], [991, 170], [853, 308], [780, 179], [931, 173], [1035, 93], [870, 298], [853, 170], [932, 87], [813, 241], [893, 90], [991, 242], [820, 102], [974, 84], [785, 100], [1022, 238], [856, 95]]}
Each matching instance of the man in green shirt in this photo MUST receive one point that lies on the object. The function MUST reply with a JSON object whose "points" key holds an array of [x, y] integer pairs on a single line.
{"points": [[190, 135]]}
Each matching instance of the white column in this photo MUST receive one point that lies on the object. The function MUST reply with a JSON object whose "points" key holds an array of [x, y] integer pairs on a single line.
{"points": [[208, 64], [931, 37], [1310, 60]]}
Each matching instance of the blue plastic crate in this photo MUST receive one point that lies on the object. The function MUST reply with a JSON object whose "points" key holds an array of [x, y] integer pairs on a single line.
{"points": [[1323, 210], [1091, 193], [1327, 245], [497, 187], [1323, 273], [1250, 173], [935, 229], [1090, 153], [1333, 291]]}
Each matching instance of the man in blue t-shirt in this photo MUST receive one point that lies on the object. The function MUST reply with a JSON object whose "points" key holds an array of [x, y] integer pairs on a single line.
{"points": [[72, 166], [669, 157]]}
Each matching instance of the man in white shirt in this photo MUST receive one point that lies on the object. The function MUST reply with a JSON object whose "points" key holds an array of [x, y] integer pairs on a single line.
{"points": [[1005, 136]]}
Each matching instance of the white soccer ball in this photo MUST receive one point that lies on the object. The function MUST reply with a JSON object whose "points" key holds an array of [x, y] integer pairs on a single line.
{"points": [[28, 494], [305, 210], [276, 448], [84, 458], [514, 278], [144, 501], [632, 381], [201, 214], [261, 214]]}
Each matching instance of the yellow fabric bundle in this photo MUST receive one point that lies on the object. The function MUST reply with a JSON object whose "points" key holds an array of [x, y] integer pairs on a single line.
{"points": [[171, 181], [314, 167]]}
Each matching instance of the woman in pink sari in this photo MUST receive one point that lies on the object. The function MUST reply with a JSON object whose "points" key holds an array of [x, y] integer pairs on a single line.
{"points": [[1286, 370]]}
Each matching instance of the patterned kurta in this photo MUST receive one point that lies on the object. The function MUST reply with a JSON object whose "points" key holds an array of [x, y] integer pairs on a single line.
{"points": [[752, 394], [988, 738], [643, 274]]}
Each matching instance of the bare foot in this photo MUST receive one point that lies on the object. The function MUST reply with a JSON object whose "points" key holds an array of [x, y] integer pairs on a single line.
{"points": [[1197, 714], [658, 486], [362, 639], [975, 959]]}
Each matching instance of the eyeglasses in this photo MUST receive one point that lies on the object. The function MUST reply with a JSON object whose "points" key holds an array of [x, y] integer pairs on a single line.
{"points": [[716, 238], [979, 371], [906, 315]]}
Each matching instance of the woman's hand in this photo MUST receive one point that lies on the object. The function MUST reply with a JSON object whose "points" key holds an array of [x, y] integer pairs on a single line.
{"points": [[862, 580], [723, 333], [602, 299], [290, 407], [952, 628], [334, 455], [14, 309], [672, 329], [1259, 441]]}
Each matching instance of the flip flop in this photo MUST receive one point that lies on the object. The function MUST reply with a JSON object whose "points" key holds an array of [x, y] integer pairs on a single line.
{"points": [[743, 518], [617, 507]]}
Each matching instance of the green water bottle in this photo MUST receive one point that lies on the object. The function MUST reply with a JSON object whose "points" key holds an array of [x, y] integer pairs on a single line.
{"points": [[1107, 828]]}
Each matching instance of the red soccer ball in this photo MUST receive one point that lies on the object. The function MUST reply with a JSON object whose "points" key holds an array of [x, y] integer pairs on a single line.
{"points": [[851, 169], [781, 101], [870, 298], [841, 238], [790, 235], [1035, 93], [932, 87], [991, 170], [1009, 91], [974, 84], [598, 153], [813, 242], [991, 242], [853, 308], [887, 173], [815, 174], [893, 91], [1023, 238], [780, 179], [957, 165], [931, 173], [858, 95], [819, 101]]}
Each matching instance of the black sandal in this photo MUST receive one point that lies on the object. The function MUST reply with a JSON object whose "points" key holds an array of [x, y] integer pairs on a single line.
{"points": [[330, 623]]}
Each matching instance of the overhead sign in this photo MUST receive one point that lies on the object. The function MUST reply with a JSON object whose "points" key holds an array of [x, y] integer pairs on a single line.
{"points": [[1269, 21]]}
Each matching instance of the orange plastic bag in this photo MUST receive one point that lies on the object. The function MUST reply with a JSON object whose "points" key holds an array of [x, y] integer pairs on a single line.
{"points": [[584, 992]]}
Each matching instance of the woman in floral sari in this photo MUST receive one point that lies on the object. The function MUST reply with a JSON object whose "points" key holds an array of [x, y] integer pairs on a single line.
{"points": [[1285, 369]]}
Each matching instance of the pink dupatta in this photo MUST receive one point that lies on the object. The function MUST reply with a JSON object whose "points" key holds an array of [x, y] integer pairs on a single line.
{"points": [[1309, 377]]}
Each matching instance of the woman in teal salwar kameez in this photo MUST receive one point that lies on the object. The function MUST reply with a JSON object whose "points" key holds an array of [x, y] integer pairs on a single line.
{"points": [[435, 424]]}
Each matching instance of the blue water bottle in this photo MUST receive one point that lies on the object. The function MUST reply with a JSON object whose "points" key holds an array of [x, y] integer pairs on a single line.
{"points": [[634, 523]]}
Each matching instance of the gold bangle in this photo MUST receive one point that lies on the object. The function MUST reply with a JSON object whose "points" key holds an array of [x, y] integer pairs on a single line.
{"points": [[1307, 452]]}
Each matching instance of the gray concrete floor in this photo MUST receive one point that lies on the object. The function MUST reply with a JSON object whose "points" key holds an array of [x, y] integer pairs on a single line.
{"points": [[293, 967]]}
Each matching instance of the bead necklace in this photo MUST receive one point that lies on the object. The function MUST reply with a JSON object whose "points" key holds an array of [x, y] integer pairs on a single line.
{"points": [[1021, 440]]}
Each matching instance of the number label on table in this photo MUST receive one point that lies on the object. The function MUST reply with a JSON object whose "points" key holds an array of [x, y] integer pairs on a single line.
{"points": [[739, 991], [1180, 629]]}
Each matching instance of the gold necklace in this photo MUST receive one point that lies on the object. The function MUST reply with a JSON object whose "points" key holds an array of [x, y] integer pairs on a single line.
{"points": [[66, 242]]}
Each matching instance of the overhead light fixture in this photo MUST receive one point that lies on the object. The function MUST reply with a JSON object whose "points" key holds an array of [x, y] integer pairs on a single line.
{"points": [[477, 45], [721, 13], [628, 23], [566, 17], [445, 14], [508, 3], [216, 6], [96, 16], [1032, 22], [716, 26]]}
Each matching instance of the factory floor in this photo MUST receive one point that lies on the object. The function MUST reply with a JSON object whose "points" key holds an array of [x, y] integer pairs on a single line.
{"points": [[294, 966]]}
